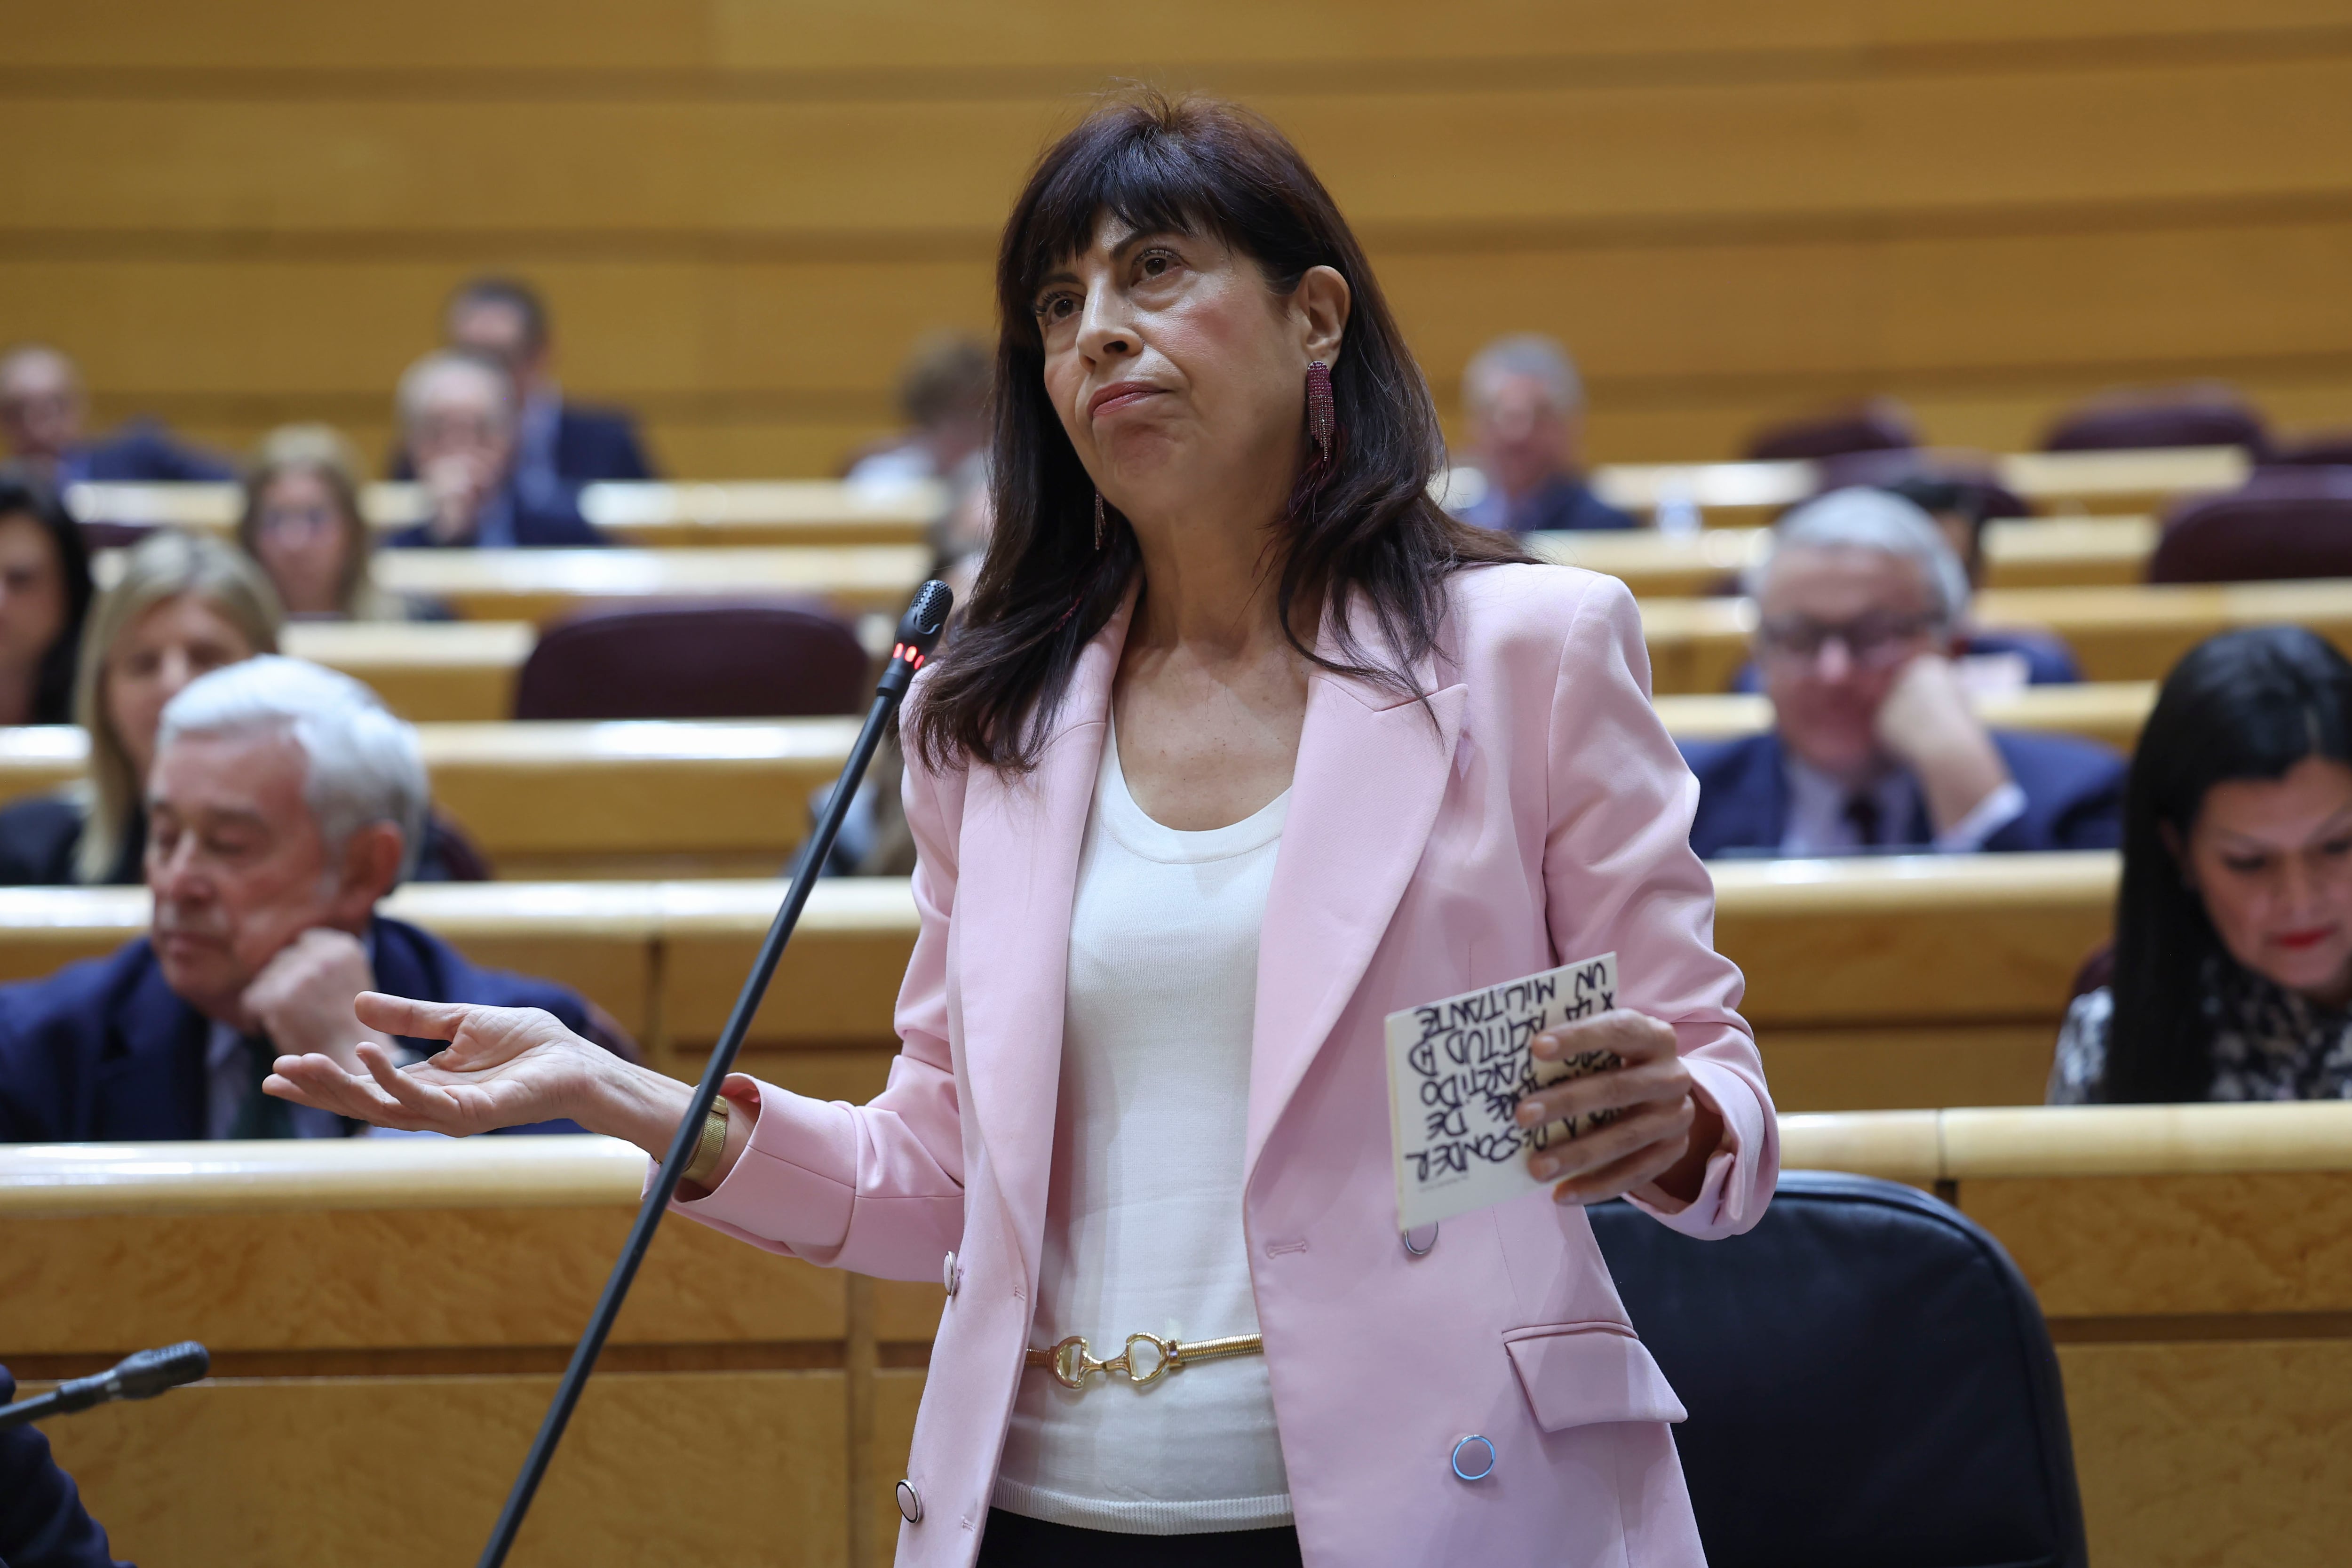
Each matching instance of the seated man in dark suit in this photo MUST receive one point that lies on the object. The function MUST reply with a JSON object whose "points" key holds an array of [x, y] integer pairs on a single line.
{"points": [[457, 423], [42, 406], [1875, 746], [559, 445], [42, 1522], [1526, 404], [283, 804]]}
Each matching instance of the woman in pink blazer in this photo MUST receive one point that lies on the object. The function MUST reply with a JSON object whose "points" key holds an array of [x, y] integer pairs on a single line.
{"points": [[1242, 747]]}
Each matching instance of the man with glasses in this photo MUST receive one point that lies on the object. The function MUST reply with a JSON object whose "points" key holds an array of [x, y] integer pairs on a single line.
{"points": [[1873, 745]]}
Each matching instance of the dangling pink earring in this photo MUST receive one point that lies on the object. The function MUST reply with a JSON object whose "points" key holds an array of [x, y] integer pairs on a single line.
{"points": [[1322, 417], [1099, 520]]}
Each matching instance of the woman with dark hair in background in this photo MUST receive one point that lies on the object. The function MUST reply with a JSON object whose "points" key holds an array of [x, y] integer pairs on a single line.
{"points": [[2234, 925], [1242, 745], [45, 592]]}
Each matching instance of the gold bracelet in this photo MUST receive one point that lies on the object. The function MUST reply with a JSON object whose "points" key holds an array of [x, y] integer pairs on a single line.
{"points": [[708, 1153]]}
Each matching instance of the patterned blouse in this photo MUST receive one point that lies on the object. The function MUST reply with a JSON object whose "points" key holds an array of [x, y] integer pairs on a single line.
{"points": [[2268, 1043]]}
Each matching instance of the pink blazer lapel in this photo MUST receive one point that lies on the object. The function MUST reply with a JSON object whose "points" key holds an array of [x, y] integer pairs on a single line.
{"points": [[1373, 768], [1015, 888]]}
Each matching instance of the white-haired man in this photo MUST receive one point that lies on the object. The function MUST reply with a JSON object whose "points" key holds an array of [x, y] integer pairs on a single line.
{"points": [[282, 806], [1874, 744], [459, 423], [1526, 404]]}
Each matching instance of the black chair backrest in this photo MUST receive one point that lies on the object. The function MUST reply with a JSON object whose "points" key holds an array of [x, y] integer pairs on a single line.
{"points": [[113, 535], [2281, 523], [1869, 1379], [2326, 449], [2178, 416], [698, 660], [1973, 478], [1881, 425]]}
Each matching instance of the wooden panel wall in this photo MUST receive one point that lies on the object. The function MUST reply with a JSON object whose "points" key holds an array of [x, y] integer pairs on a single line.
{"points": [[744, 210]]}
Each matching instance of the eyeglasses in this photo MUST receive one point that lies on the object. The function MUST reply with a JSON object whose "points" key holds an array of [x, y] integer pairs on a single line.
{"points": [[296, 519], [1874, 642]]}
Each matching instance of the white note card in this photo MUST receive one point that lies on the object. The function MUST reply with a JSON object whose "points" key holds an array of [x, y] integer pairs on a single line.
{"points": [[1457, 1069]]}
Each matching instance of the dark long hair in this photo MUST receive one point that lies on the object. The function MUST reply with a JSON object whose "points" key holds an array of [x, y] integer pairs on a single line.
{"points": [[21, 495], [2243, 705], [1361, 522]]}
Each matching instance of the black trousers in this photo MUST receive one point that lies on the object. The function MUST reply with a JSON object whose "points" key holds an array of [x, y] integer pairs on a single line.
{"points": [[1017, 1541]]}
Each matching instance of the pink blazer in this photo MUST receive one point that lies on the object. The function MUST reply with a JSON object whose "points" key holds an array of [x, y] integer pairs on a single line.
{"points": [[1532, 813]]}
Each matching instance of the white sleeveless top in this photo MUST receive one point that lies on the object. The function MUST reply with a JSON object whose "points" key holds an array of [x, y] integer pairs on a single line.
{"points": [[1143, 1219]]}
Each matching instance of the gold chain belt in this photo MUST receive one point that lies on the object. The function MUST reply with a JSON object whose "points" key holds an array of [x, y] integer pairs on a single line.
{"points": [[1071, 1366]]}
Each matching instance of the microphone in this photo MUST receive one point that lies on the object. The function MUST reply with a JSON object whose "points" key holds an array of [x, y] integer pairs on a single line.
{"points": [[141, 1375], [919, 632]]}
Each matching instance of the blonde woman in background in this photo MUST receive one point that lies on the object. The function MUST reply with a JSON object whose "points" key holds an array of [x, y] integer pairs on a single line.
{"points": [[183, 606], [303, 524]]}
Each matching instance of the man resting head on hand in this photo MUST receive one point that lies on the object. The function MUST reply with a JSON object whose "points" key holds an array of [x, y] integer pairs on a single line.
{"points": [[1874, 744], [283, 805]]}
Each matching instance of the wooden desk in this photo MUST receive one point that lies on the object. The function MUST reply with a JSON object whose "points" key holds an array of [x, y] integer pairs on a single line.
{"points": [[2058, 482], [418, 1296], [768, 513], [2101, 711], [424, 671], [2068, 552], [2117, 633], [771, 512], [2039, 553], [565, 800], [537, 585], [2139, 634], [1873, 984]]}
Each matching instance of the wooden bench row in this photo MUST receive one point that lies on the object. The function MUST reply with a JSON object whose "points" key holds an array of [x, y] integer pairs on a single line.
{"points": [[2124, 481], [2054, 553], [827, 511], [416, 1297], [728, 797], [2117, 633], [619, 799], [1873, 984], [538, 585], [765, 512], [467, 671]]}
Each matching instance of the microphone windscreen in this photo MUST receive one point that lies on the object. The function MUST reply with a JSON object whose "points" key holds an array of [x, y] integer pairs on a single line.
{"points": [[926, 616], [147, 1374]]}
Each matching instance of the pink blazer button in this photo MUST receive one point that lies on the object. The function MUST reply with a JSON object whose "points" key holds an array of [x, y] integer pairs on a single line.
{"points": [[1474, 1458]]}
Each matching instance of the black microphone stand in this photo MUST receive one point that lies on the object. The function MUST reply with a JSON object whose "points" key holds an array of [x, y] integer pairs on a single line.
{"points": [[918, 631], [142, 1376]]}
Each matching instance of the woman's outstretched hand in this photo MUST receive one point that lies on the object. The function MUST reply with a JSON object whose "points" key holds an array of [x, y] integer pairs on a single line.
{"points": [[504, 1066]]}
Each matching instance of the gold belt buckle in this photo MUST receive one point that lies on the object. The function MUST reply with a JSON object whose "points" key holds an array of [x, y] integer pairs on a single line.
{"points": [[1071, 1364]]}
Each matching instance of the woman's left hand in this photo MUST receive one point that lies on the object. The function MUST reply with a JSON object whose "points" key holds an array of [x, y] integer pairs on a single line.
{"points": [[1662, 1131]]}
